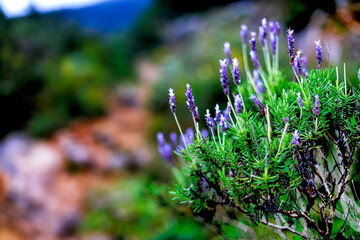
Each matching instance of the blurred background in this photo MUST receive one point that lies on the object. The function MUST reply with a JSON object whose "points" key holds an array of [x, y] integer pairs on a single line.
{"points": [[83, 92]]}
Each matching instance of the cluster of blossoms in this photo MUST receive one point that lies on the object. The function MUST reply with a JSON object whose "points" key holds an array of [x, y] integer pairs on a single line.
{"points": [[272, 160], [222, 119], [177, 143], [298, 62], [191, 103]]}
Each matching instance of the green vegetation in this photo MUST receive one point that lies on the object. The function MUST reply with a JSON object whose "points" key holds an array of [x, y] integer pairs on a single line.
{"points": [[52, 71]]}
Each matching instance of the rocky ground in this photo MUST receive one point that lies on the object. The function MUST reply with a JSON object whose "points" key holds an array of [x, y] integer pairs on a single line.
{"points": [[44, 184]]}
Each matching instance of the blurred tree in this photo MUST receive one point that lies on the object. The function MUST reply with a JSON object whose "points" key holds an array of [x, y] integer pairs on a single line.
{"points": [[51, 71]]}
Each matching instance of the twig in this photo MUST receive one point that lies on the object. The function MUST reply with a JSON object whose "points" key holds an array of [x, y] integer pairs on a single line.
{"points": [[287, 228]]}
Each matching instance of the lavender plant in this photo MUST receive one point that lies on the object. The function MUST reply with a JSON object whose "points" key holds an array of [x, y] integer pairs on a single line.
{"points": [[286, 156]]}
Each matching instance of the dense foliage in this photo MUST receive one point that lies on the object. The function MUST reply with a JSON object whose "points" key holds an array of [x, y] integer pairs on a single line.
{"points": [[287, 160]]}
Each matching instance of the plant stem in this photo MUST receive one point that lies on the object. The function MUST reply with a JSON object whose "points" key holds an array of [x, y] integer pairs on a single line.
{"points": [[181, 132], [269, 124], [345, 80], [242, 99], [282, 138], [214, 139]]}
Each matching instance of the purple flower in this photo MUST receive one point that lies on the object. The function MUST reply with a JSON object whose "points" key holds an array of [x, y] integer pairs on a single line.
{"points": [[238, 104], [359, 74], [298, 64], [217, 114], [264, 25], [204, 133], [252, 41], [277, 28], [244, 33], [165, 149], [295, 137], [286, 120], [160, 138], [291, 46], [189, 133], [191, 103], [166, 152], [318, 49], [196, 115], [255, 59], [227, 51], [190, 98], [173, 138], [209, 120], [305, 63], [258, 82], [273, 42], [235, 71], [226, 113], [258, 104], [317, 106], [188, 136], [272, 27], [172, 100], [228, 107], [223, 124], [225, 83], [299, 99], [204, 185], [227, 116], [262, 35]]}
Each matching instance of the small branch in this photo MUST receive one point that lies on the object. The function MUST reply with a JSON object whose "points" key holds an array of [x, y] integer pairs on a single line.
{"points": [[299, 214], [284, 228], [320, 175]]}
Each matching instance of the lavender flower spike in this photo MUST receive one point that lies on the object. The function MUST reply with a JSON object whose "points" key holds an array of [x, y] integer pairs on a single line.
{"points": [[277, 28], [291, 46], [255, 59], [238, 104], [235, 71], [166, 152], [272, 27], [299, 99], [160, 138], [305, 63], [298, 64], [196, 114], [258, 104], [317, 107], [264, 25], [262, 35], [223, 124], [217, 114], [190, 98], [296, 137], [252, 41], [244, 33], [258, 83], [164, 148], [225, 83], [273, 42], [209, 120], [227, 51], [172, 100], [318, 49], [173, 138], [228, 107]]}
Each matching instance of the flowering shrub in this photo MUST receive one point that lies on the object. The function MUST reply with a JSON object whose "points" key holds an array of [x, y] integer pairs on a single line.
{"points": [[285, 157]]}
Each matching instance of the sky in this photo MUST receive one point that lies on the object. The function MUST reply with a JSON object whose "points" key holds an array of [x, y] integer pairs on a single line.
{"points": [[14, 8]]}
